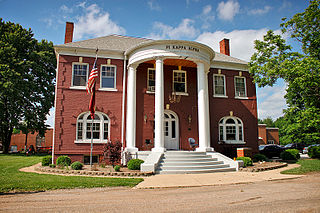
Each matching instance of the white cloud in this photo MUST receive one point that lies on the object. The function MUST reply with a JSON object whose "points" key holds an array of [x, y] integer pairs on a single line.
{"points": [[50, 117], [206, 16], [153, 5], [265, 10], [66, 9], [185, 29], [95, 22], [241, 41], [271, 101], [227, 10]]}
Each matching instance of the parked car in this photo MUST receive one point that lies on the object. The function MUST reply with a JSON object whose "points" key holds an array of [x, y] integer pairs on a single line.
{"points": [[305, 149], [47, 149], [271, 150], [298, 146]]}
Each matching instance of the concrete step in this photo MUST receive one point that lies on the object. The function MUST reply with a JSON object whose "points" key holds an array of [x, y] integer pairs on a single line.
{"points": [[189, 163], [227, 169], [188, 159], [193, 167]]}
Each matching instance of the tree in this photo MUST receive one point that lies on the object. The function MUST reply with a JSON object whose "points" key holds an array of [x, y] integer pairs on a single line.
{"points": [[27, 77], [268, 121], [274, 59]]}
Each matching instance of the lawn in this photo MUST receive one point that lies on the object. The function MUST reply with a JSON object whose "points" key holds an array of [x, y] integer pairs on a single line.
{"points": [[11, 179], [307, 165]]}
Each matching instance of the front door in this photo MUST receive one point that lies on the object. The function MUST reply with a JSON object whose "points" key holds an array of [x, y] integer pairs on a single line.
{"points": [[171, 130]]}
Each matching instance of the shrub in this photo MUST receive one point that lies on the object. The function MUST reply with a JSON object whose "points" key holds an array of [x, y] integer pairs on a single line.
{"points": [[112, 152], [117, 168], [52, 165], [76, 165], [259, 157], [46, 161], [314, 152], [290, 154], [63, 161], [246, 161], [134, 164]]}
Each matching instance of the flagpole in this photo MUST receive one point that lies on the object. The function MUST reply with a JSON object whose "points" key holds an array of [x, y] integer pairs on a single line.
{"points": [[91, 142]]}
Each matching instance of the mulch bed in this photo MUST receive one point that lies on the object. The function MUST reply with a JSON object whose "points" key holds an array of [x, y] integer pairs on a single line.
{"points": [[95, 171], [263, 166]]}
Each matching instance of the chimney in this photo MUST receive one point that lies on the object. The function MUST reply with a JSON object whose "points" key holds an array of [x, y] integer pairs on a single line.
{"points": [[69, 32], [224, 47]]}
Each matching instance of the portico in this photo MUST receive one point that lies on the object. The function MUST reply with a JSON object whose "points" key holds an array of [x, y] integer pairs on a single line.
{"points": [[161, 51]]}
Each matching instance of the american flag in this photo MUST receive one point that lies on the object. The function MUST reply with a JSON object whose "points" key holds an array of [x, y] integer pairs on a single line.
{"points": [[92, 78], [91, 88]]}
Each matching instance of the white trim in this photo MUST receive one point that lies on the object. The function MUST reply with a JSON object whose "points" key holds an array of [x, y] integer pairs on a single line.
{"points": [[55, 107], [224, 86], [84, 128], [180, 93], [245, 88], [243, 98], [78, 87], [78, 63], [115, 78], [108, 89], [151, 91], [237, 126], [176, 119], [185, 83]]}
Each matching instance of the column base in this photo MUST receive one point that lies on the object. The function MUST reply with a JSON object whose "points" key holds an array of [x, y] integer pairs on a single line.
{"points": [[131, 149], [204, 149], [158, 149]]}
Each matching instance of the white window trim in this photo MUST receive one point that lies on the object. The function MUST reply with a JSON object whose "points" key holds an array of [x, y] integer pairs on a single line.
{"points": [[245, 88], [225, 85], [79, 87], [115, 78], [237, 141], [84, 128], [150, 91], [185, 83]]}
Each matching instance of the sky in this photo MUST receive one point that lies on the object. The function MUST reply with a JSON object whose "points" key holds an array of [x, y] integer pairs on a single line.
{"points": [[204, 21]]}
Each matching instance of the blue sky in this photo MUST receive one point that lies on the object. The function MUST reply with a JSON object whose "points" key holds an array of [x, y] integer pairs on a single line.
{"points": [[205, 21]]}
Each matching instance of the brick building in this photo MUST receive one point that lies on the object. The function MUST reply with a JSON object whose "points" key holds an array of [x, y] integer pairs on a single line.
{"points": [[153, 96], [268, 135]]}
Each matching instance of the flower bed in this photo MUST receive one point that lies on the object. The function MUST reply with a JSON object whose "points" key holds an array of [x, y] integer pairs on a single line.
{"points": [[263, 166]]}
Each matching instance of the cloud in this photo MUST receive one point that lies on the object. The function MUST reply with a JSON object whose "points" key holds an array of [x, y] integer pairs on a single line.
{"points": [[95, 22], [241, 41], [227, 10], [265, 10], [185, 29], [50, 117], [66, 9], [206, 17], [271, 101], [153, 5]]}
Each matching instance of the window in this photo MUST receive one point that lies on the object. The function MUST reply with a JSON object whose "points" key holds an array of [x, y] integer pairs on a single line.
{"points": [[79, 74], [151, 80], [108, 76], [231, 130], [240, 87], [100, 128], [219, 85], [179, 81], [270, 141]]}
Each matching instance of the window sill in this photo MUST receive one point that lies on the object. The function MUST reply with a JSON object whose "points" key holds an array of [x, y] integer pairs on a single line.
{"points": [[108, 89], [220, 96], [150, 92], [231, 142], [89, 141], [243, 98], [78, 87], [181, 93]]}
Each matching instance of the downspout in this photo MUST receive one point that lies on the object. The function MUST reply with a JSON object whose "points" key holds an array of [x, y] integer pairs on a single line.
{"points": [[55, 109], [123, 101]]}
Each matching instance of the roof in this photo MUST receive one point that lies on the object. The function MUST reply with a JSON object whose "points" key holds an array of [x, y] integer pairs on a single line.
{"points": [[123, 43]]}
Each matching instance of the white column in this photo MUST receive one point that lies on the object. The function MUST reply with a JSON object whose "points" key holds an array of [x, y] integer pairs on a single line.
{"points": [[203, 109], [131, 111], [159, 108]]}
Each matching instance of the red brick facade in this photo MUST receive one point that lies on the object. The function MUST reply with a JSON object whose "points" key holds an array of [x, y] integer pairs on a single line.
{"points": [[268, 135]]}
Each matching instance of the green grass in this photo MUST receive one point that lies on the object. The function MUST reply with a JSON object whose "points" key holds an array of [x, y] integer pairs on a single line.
{"points": [[11, 179], [307, 165]]}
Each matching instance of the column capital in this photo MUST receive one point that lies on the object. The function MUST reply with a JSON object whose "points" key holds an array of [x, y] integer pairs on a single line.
{"points": [[133, 66], [159, 58]]}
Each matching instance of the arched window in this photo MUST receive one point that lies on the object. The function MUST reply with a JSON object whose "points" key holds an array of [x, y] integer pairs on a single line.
{"points": [[231, 130], [100, 130]]}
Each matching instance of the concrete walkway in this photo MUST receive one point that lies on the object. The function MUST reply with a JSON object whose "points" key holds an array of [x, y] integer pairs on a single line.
{"points": [[212, 179]]}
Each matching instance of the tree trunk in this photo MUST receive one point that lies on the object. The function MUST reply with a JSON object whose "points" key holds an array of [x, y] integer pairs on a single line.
{"points": [[26, 142], [7, 140]]}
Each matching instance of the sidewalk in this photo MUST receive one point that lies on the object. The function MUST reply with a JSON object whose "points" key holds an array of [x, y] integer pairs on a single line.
{"points": [[212, 179]]}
